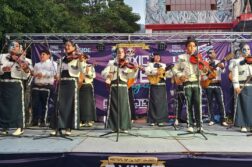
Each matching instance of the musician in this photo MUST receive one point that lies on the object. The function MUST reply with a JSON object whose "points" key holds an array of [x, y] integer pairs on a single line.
{"points": [[118, 102], [87, 99], [130, 53], [68, 107], [241, 78], [232, 63], [44, 73], [187, 70], [14, 69], [244, 5], [214, 89], [158, 105]]}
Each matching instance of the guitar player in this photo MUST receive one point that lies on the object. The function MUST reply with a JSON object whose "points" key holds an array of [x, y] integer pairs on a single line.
{"points": [[158, 106], [214, 90]]}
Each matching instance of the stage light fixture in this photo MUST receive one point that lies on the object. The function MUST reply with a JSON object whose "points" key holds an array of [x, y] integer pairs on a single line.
{"points": [[100, 47], [162, 46]]}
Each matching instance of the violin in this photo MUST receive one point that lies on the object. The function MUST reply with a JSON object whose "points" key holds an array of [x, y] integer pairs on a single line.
{"points": [[75, 55], [197, 59], [247, 60], [123, 63], [20, 60]]}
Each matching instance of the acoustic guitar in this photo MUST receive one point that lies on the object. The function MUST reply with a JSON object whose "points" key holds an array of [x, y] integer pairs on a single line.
{"points": [[155, 79], [212, 72]]}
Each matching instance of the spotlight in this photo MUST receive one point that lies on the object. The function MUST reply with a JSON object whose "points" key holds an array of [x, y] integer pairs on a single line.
{"points": [[162, 46], [100, 47]]}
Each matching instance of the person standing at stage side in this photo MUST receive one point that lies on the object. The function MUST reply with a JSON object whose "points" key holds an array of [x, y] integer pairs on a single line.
{"points": [[187, 70], [214, 89], [232, 63], [158, 105], [87, 99], [241, 78], [44, 73], [118, 102], [68, 107], [14, 69], [244, 5]]}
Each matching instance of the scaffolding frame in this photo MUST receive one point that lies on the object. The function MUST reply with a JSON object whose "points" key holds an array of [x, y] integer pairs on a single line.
{"points": [[130, 38]]}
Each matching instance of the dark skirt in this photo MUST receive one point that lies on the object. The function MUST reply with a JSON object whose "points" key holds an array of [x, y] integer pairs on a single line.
{"points": [[87, 103], [132, 104], [67, 105], [158, 105], [118, 105], [12, 108], [243, 116]]}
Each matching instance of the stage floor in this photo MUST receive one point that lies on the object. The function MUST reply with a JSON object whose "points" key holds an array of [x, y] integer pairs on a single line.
{"points": [[147, 140]]}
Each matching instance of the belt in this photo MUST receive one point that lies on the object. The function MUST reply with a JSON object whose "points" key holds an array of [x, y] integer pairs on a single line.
{"points": [[215, 81], [190, 83], [158, 84], [40, 84], [215, 84]]}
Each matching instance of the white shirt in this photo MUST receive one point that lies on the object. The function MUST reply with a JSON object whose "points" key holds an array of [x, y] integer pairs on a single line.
{"points": [[48, 70], [219, 71], [74, 67], [124, 73], [185, 68], [16, 71], [240, 73], [151, 70], [89, 77]]}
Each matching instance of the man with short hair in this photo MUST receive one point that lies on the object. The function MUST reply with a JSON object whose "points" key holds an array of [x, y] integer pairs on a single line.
{"points": [[44, 73]]}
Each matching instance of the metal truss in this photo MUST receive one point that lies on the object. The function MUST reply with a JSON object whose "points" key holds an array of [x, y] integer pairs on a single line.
{"points": [[130, 38]]}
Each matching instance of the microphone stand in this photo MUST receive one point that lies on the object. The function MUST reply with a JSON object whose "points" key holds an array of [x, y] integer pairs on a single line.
{"points": [[57, 106], [200, 130]]}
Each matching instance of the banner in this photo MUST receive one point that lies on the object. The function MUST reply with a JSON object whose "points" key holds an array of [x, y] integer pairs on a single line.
{"points": [[140, 54]]}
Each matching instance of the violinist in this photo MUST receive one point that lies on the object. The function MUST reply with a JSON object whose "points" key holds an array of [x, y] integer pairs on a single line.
{"points": [[68, 74], [158, 105], [14, 70], [118, 86], [87, 99], [44, 73], [214, 90], [187, 69], [241, 79], [232, 63]]}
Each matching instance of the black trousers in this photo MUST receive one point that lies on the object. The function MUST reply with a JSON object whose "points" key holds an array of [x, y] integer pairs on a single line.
{"points": [[180, 95], [132, 104], [214, 91], [40, 103], [193, 100]]}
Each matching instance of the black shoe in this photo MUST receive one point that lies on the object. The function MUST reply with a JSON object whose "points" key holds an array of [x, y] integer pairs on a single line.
{"points": [[182, 121], [42, 124], [34, 124]]}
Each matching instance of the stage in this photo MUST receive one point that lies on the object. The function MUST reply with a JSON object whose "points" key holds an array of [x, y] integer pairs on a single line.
{"points": [[228, 148]]}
